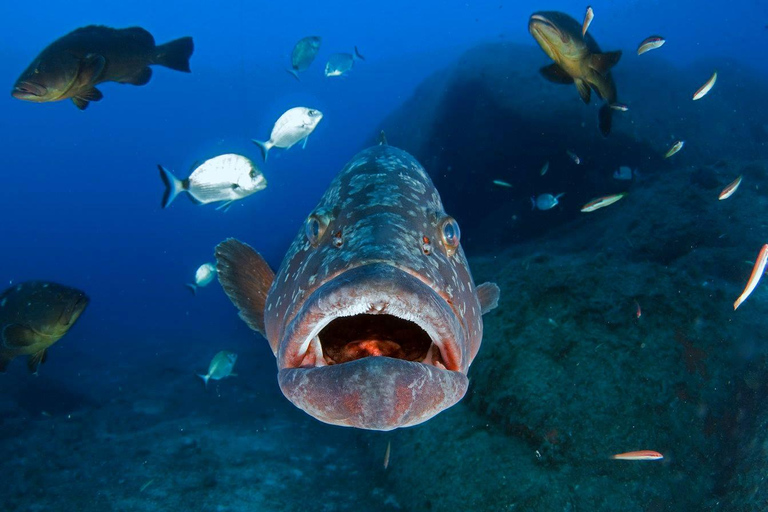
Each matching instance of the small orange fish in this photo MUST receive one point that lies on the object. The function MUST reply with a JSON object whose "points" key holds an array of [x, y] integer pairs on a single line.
{"points": [[650, 43], [757, 273], [704, 89], [639, 311], [638, 455], [602, 202], [588, 16], [730, 189]]}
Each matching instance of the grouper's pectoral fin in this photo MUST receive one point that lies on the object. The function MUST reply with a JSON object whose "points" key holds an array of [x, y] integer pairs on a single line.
{"points": [[18, 336], [488, 295], [83, 98], [602, 62], [584, 91], [554, 73], [246, 278], [36, 360]]}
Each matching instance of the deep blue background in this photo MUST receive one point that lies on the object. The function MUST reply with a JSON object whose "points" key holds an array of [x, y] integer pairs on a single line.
{"points": [[80, 193]]}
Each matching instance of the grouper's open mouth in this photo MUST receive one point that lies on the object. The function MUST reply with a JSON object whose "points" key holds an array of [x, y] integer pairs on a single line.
{"points": [[374, 348]]}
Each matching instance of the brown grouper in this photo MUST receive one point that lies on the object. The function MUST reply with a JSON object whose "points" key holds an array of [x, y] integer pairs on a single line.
{"points": [[373, 315], [72, 66]]}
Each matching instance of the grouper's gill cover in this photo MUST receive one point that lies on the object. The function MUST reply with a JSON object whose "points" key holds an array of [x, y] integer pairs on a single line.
{"points": [[373, 315]]}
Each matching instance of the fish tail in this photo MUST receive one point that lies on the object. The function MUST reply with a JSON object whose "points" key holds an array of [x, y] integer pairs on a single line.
{"points": [[192, 287], [358, 55], [264, 147], [205, 379], [175, 54], [294, 73], [604, 118], [173, 186]]}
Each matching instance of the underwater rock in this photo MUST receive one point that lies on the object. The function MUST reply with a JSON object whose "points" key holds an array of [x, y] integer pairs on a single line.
{"points": [[491, 116]]}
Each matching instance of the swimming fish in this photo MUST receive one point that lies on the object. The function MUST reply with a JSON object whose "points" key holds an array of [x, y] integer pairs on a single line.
{"points": [[545, 201], [74, 64], [293, 126], [602, 202], [588, 17], [638, 455], [704, 89], [304, 53], [573, 156], [221, 367], [373, 314], [757, 273], [33, 316], [619, 106], [544, 168], [339, 63], [730, 189], [677, 146], [502, 183], [224, 178], [578, 60], [650, 43], [203, 276]]}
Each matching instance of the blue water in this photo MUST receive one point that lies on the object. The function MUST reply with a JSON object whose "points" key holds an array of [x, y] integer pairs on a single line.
{"points": [[80, 194]]}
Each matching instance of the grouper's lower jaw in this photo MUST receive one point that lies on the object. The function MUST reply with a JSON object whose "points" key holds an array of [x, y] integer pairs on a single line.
{"points": [[374, 393], [375, 347]]}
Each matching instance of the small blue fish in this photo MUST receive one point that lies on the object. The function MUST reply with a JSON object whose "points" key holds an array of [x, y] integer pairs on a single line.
{"points": [[545, 201]]}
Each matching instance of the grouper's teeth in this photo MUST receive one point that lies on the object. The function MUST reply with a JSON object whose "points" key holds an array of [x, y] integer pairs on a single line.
{"points": [[314, 354]]}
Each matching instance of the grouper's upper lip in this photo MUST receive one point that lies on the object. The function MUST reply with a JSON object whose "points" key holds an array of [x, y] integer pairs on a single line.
{"points": [[26, 89], [374, 289]]}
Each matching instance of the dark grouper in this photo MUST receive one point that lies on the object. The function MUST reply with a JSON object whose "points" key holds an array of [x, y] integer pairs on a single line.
{"points": [[35, 315], [74, 64], [373, 315], [578, 59]]}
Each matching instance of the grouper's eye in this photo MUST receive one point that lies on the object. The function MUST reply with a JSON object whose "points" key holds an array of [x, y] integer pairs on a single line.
{"points": [[449, 231], [315, 227]]}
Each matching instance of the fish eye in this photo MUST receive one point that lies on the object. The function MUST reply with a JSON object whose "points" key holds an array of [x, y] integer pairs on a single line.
{"points": [[252, 174], [315, 228], [312, 113], [450, 233]]}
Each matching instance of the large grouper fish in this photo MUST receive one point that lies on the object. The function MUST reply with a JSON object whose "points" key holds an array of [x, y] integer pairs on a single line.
{"points": [[578, 60], [373, 316], [72, 66], [33, 316]]}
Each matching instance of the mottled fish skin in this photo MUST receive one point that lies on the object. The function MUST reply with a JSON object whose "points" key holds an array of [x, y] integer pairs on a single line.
{"points": [[382, 253]]}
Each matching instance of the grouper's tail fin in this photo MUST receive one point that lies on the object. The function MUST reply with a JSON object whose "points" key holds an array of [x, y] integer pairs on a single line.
{"points": [[604, 117], [173, 186], [175, 54], [245, 277]]}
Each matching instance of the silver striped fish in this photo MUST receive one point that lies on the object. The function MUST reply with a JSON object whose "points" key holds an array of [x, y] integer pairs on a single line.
{"points": [[373, 315]]}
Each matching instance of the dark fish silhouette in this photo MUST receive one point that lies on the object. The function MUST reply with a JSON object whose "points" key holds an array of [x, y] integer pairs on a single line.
{"points": [[35, 315], [373, 315], [578, 59], [74, 64]]}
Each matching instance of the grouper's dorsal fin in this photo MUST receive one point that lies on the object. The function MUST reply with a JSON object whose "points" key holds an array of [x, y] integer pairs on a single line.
{"points": [[382, 139], [245, 277]]}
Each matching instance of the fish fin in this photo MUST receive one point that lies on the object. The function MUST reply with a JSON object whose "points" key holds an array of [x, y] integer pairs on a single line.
{"points": [[175, 54], [36, 359], [192, 287], [4, 364], [584, 90], [173, 186], [17, 335], [91, 68], [602, 62], [224, 206], [80, 103], [304, 146], [82, 100], [245, 277], [141, 78], [554, 73], [604, 119], [205, 379], [383, 139], [294, 73], [488, 295], [358, 55], [264, 147]]}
